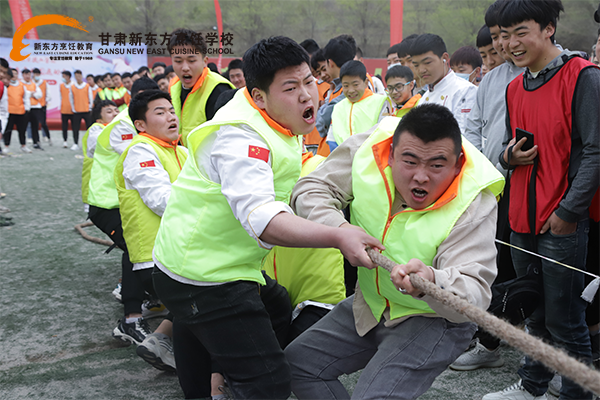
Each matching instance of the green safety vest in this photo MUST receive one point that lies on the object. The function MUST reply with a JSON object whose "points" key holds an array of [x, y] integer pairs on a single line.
{"points": [[199, 238], [102, 189], [349, 118], [119, 93], [308, 274], [140, 224], [87, 164], [193, 112], [410, 233]]}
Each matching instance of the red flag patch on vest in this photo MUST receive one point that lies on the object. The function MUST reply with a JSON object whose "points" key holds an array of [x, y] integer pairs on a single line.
{"points": [[128, 136], [258, 152], [147, 164]]}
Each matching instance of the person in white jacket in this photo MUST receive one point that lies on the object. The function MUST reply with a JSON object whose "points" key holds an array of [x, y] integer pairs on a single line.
{"points": [[432, 62]]}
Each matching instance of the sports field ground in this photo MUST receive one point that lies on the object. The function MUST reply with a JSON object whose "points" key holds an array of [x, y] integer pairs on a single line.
{"points": [[58, 311]]}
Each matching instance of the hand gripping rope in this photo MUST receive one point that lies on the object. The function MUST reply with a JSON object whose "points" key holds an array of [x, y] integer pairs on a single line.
{"points": [[551, 357]]}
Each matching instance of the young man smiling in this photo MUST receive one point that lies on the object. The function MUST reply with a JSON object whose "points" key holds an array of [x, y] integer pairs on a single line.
{"points": [[552, 184], [432, 63], [430, 199], [228, 207], [196, 90]]}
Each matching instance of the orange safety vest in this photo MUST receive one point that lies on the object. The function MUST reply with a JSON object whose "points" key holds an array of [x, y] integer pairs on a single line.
{"points": [[42, 100], [65, 104], [15, 99], [81, 100]]}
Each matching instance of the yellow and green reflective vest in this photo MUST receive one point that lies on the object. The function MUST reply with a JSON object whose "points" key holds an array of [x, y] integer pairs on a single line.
{"points": [[349, 118], [192, 113], [199, 237], [140, 224], [102, 190], [410, 233], [308, 274], [87, 163]]}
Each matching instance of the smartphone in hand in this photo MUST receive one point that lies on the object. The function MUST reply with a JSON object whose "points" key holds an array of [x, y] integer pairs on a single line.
{"points": [[520, 133]]}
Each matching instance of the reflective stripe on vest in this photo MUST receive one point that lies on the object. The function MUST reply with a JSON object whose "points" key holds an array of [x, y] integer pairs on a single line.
{"points": [[103, 192], [409, 233], [199, 237], [193, 112], [308, 274], [87, 164], [140, 224], [349, 118]]}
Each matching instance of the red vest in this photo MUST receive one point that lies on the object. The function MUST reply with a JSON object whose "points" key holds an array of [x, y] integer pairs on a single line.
{"points": [[546, 112]]}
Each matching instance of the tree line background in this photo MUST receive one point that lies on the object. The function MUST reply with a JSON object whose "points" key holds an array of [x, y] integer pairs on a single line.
{"points": [[456, 21]]}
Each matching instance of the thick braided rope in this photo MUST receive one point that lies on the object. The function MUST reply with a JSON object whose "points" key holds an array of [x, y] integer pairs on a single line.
{"points": [[79, 228], [553, 358]]}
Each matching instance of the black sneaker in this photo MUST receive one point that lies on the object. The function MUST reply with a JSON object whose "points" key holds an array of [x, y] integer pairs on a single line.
{"points": [[37, 146], [133, 333]]}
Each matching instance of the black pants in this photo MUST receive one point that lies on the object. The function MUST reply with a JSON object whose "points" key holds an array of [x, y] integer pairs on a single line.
{"points": [[40, 116], [32, 120], [65, 127], [85, 116], [21, 121], [307, 318], [132, 285], [229, 322]]}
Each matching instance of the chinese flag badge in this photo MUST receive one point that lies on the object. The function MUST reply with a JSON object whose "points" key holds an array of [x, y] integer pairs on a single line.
{"points": [[127, 136], [146, 164], [258, 152]]}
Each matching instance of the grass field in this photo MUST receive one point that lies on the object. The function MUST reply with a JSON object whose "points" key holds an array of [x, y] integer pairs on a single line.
{"points": [[55, 330]]}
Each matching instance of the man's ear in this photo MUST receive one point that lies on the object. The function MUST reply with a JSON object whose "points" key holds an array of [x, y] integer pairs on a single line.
{"points": [[391, 156], [259, 98], [446, 57], [549, 30], [459, 163], [205, 60], [140, 125]]}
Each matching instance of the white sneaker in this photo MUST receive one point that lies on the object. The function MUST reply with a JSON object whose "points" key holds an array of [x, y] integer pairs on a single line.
{"points": [[75, 147], [25, 149], [153, 309], [65, 145], [514, 392], [477, 357], [555, 385], [157, 350]]}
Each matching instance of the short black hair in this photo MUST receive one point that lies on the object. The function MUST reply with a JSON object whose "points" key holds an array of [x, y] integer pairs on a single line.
{"points": [[235, 64], [126, 75], [10, 73], [351, 41], [144, 83], [430, 122], [309, 45], [159, 64], [492, 16], [139, 103], [213, 67], [339, 51], [97, 110], [105, 75], [354, 68], [169, 69], [317, 57], [25, 71], [392, 50], [265, 58], [484, 37], [115, 74], [400, 71], [97, 78], [87, 76], [159, 77], [67, 73], [142, 69], [182, 36], [78, 71], [404, 47], [3, 62], [428, 42], [36, 71], [543, 12], [466, 55]]}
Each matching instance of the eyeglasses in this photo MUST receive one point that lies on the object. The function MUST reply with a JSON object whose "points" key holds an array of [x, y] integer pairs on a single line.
{"points": [[397, 88]]}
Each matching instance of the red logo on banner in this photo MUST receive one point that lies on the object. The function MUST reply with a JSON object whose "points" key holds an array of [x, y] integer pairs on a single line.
{"points": [[147, 164], [258, 152], [128, 136]]}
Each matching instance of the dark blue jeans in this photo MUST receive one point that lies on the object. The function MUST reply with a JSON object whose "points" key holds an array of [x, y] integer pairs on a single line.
{"points": [[560, 318], [229, 324]]}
